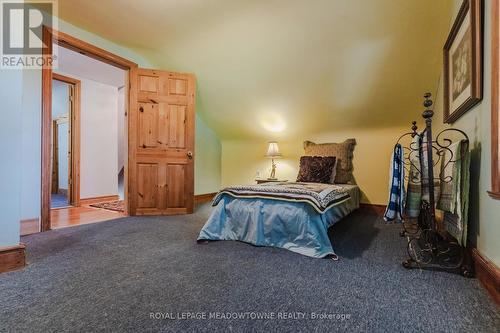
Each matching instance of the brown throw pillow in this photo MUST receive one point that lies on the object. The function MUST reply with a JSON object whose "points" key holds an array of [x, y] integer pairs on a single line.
{"points": [[344, 153], [316, 169]]}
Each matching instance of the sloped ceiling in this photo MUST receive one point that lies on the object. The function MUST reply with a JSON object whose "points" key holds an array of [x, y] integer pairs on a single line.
{"points": [[285, 68]]}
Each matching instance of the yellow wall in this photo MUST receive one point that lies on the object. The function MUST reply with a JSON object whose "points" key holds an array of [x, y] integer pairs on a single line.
{"points": [[207, 162], [241, 160], [321, 65], [485, 211]]}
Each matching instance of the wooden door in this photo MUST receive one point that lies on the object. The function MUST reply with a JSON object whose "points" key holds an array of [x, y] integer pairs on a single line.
{"points": [[161, 142], [55, 158]]}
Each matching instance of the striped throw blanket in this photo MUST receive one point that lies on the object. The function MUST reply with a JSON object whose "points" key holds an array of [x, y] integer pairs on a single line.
{"points": [[318, 195], [395, 206], [418, 183], [414, 195], [454, 197]]}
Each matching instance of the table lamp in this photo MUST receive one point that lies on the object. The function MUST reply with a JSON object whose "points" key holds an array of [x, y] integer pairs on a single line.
{"points": [[273, 152]]}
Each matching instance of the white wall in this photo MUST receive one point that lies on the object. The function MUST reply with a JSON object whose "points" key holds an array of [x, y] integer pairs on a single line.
{"points": [[100, 101], [11, 82], [121, 128], [99, 139], [63, 150], [31, 143], [60, 106], [60, 98], [207, 162], [99, 135]]}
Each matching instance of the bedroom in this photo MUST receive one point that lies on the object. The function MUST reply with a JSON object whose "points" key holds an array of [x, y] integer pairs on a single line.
{"points": [[260, 72]]}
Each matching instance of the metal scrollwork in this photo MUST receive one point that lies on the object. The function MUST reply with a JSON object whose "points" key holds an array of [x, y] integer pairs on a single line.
{"points": [[427, 248]]}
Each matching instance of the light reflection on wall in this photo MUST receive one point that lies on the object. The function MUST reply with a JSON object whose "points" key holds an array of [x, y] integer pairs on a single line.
{"points": [[287, 169]]}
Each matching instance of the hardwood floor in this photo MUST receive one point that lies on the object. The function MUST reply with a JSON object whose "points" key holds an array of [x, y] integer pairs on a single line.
{"points": [[69, 217], [72, 216]]}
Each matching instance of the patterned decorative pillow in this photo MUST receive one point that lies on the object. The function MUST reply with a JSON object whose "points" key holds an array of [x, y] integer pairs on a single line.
{"points": [[316, 169], [344, 153]]}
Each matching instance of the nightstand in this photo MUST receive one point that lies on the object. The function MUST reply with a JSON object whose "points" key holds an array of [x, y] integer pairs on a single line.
{"points": [[261, 181]]}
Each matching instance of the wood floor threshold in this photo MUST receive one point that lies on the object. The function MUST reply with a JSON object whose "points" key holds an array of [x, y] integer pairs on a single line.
{"points": [[74, 216], [94, 200]]}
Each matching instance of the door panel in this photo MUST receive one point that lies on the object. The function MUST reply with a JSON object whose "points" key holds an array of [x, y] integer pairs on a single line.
{"points": [[161, 142], [147, 185], [163, 125], [177, 87], [176, 173], [148, 84], [177, 126], [148, 125]]}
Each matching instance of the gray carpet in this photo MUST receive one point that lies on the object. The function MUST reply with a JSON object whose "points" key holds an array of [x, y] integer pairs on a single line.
{"points": [[110, 276]]}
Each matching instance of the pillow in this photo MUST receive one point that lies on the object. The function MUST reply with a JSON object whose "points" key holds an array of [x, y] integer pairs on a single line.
{"points": [[316, 169], [343, 153]]}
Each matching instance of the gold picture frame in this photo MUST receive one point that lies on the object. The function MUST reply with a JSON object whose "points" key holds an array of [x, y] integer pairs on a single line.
{"points": [[463, 62], [495, 103]]}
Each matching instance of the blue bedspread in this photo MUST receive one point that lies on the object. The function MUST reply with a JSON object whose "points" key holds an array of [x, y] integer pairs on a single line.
{"points": [[295, 226]]}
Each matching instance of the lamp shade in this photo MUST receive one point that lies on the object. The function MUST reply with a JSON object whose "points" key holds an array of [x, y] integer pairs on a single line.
{"points": [[273, 150]]}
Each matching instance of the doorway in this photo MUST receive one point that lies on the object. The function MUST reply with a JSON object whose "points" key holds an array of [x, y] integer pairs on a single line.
{"points": [[65, 142], [51, 37], [158, 172]]}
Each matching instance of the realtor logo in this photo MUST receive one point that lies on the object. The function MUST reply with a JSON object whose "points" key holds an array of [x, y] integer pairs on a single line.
{"points": [[22, 27]]}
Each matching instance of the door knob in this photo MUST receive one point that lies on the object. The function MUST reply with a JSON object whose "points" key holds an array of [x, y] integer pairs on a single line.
{"points": [[190, 155]]}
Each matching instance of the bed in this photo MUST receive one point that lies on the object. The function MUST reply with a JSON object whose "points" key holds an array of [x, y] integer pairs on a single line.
{"points": [[292, 216]]}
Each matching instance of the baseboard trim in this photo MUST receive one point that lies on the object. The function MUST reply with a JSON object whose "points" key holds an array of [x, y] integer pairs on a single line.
{"points": [[201, 198], [90, 201], [487, 273], [12, 258], [372, 209], [30, 226]]}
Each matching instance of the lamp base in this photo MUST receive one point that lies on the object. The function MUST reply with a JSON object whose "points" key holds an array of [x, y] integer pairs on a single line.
{"points": [[272, 176]]}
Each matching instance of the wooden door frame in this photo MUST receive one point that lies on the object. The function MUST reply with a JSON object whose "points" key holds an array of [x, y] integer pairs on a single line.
{"points": [[495, 102], [75, 137], [54, 152], [49, 37]]}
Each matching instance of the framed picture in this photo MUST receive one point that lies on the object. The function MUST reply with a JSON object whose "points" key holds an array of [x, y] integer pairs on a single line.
{"points": [[463, 62], [495, 105]]}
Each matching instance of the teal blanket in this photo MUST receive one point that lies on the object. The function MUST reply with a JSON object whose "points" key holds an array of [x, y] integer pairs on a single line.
{"points": [[454, 197], [414, 192], [295, 226]]}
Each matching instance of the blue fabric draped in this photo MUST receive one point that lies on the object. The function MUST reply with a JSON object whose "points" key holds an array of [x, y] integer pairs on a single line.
{"points": [[395, 206], [263, 222]]}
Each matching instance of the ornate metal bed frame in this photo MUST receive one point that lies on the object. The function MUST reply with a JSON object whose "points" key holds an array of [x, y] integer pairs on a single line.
{"points": [[428, 247]]}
